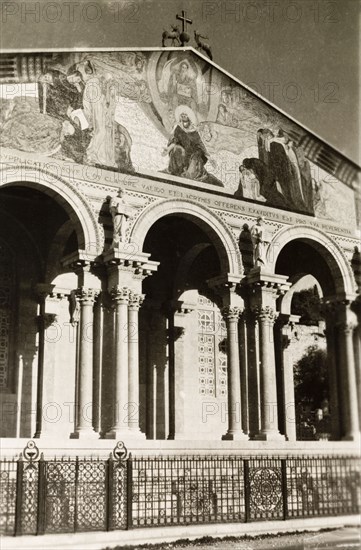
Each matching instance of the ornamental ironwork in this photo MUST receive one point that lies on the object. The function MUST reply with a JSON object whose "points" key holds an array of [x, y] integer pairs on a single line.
{"points": [[63, 495]]}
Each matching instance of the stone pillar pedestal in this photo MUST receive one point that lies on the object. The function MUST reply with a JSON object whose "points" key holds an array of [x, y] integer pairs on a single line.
{"points": [[261, 291], [234, 431], [126, 272], [84, 406]]}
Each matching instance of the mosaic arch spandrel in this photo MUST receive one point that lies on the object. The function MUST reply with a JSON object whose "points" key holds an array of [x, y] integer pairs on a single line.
{"points": [[167, 111]]}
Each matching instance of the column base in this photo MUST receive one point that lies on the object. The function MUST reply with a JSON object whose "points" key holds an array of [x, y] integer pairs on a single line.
{"points": [[87, 433], [235, 436], [269, 436]]}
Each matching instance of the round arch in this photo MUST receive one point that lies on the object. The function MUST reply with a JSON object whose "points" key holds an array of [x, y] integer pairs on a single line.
{"points": [[297, 285], [65, 194], [330, 251], [219, 233]]}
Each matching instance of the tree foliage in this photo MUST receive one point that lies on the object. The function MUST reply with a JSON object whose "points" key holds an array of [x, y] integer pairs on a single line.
{"points": [[311, 378], [307, 304]]}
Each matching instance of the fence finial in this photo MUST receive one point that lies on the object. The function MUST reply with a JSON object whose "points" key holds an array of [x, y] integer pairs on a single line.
{"points": [[31, 452], [120, 452]]}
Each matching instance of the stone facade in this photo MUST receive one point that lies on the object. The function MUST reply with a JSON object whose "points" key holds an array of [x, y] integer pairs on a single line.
{"points": [[170, 331]]}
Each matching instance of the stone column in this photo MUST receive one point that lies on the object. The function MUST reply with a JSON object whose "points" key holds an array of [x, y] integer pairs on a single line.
{"points": [[120, 426], [135, 301], [243, 357], [84, 417], [269, 408], [40, 374], [157, 399], [254, 398], [287, 411], [350, 417], [97, 363], [176, 334], [234, 431]]}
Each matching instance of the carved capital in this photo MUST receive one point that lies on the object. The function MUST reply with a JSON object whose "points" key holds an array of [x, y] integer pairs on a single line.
{"points": [[231, 313], [265, 313], [135, 300], [120, 294], [86, 296]]}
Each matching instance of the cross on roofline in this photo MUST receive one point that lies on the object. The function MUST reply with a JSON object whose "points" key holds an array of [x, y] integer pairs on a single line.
{"points": [[184, 20]]}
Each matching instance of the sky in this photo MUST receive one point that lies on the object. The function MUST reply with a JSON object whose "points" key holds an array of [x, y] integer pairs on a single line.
{"points": [[303, 55]]}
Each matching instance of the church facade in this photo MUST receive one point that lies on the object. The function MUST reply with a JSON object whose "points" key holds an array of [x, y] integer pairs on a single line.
{"points": [[157, 219]]}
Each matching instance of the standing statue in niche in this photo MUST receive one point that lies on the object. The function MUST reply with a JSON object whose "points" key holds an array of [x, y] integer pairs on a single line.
{"points": [[259, 241], [120, 212]]}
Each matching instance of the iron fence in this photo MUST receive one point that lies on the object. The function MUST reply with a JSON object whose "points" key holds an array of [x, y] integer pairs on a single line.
{"points": [[122, 492]]}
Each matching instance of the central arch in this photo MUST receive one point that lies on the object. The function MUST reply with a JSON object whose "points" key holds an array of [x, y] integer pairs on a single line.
{"points": [[217, 230]]}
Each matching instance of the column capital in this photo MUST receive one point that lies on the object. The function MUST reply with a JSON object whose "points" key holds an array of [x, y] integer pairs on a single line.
{"points": [[120, 294], [135, 300], [86, 296], [232, 313], [265, 313]]}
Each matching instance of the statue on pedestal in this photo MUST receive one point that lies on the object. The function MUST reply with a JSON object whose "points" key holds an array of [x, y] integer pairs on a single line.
{"points": [[259, 241], [120, 212]]}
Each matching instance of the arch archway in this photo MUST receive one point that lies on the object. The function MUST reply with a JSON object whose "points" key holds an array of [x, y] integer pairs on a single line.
{"points": [[218, 232], [66, 195], [327, 249], [296, 252], [184, 362], [44, 220]]}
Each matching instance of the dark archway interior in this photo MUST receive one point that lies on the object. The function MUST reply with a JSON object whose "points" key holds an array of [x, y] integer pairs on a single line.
{"points": [[37, 218], [301, 258], [296, 259], [168, 242]]}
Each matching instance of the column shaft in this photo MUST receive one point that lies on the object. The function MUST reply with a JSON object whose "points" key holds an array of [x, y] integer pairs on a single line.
{"points": [[269, 410], [234, 379], [84, 416], [133, 362], [351, 427], [333, 380], [120, 404]]}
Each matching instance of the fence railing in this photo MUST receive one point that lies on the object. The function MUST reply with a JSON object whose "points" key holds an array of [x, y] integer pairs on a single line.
{"points": [[122, 492]]}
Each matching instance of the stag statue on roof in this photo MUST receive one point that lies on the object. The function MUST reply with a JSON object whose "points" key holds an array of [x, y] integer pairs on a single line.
{"points": [[203, 46]]}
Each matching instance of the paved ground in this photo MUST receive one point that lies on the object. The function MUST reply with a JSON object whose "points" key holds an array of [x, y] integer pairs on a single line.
{"points": [[341, 539], [309, 534]]}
